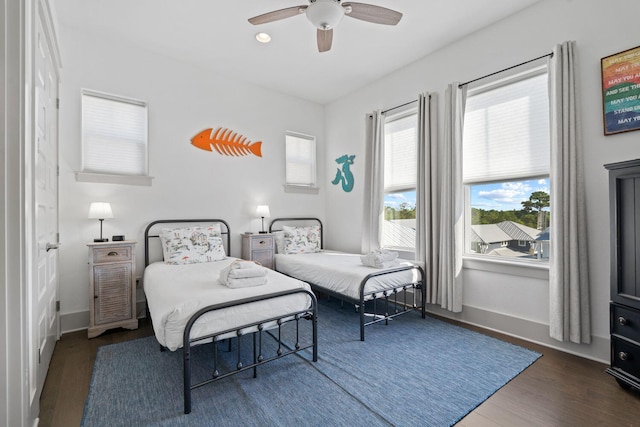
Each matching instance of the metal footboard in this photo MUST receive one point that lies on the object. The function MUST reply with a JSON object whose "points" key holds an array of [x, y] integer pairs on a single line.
{"points": [[386, 293], [389, 295], [257, 329]]}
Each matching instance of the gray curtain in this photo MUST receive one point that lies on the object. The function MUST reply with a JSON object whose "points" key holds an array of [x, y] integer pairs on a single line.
{"points": [[448, 292], [569, 317], [428, 194], [374, 182]]}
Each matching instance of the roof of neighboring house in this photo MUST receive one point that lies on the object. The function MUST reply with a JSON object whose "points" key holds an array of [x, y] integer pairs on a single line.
{"points": [[488, 233], [399, 233], [508, 252], [502, 232]]}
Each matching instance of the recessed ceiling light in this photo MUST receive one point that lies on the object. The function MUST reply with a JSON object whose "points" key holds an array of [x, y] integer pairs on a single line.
{"points": [[263, 37]]}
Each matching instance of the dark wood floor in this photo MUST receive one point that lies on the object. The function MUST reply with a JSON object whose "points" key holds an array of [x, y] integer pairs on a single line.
{"points": [[557, 390]]}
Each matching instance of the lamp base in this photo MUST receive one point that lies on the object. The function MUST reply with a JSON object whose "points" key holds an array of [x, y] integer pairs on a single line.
{"points": [[100, 240]]}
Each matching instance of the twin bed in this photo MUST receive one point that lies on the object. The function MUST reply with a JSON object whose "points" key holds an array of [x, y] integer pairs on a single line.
{"points": [[299, 243], [189, 305]]}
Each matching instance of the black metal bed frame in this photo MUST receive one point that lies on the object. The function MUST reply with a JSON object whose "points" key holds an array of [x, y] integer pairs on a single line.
{"points": [[257, 329], [371, 295]]}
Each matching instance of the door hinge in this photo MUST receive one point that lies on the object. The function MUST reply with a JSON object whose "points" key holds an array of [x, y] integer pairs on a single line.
{"points": [[58, 103], [58, 170], [39, 355], [58, 305]]}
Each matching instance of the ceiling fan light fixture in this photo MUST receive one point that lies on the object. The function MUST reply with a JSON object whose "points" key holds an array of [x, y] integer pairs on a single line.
{"points": [[325, 14]]}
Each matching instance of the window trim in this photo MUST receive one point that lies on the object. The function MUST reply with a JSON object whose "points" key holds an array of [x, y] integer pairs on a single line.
{"points": [[400, 113], [302, 188], [526, 267], [107, 177]]}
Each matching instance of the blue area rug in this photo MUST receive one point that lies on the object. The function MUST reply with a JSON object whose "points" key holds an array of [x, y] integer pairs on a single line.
{"points": [[412, 372]]}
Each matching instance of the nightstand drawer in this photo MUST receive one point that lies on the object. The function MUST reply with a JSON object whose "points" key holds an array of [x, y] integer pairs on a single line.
{"points": [[265, 242], [121, 253], [625, 322]]}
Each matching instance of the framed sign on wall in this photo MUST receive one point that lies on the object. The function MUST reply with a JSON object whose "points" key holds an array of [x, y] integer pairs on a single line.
{"points": [[621, 91]]}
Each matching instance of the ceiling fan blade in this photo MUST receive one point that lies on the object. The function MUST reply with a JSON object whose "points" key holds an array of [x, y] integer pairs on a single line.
{"points": [[325, 38], [276, 15], [371, 13]]}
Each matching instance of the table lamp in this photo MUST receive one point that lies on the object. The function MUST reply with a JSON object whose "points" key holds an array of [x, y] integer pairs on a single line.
{"points": [[100, 211], [263, 212]]}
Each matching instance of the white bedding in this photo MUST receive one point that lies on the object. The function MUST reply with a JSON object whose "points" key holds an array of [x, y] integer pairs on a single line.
{"points": [[175, 292], [341, 272]]}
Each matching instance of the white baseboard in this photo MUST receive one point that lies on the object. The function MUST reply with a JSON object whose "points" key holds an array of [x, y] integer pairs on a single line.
{"points": [[79, 320], [535, 332]]}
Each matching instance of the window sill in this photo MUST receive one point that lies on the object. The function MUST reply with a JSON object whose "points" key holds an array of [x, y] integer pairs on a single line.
{"points": [[536, 270], [305, 189], [114, 179]]}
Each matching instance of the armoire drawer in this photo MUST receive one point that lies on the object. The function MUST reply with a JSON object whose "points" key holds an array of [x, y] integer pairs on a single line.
{"points": [[625, 322], [626, 356]]}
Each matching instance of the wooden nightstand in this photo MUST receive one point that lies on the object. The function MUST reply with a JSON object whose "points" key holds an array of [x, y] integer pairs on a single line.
{"points": [[112, 286], [260, 248]]}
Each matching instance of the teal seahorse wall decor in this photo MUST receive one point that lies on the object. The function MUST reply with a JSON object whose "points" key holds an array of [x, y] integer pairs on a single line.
{"points": [[345, 176]]}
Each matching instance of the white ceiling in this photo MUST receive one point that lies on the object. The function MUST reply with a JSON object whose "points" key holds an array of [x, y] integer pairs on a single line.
{"points": [[216, 34]]}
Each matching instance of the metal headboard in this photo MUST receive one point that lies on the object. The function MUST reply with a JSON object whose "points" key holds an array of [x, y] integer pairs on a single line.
{"points": [[295, 220], [148, 237]]}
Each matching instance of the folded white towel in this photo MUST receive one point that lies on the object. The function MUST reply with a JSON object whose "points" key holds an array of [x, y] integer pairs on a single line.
{"points": [[380, 258], [242, 273], [238, 264], [239, 270], [245, 282]]}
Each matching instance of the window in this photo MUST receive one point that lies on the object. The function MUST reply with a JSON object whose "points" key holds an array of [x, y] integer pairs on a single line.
{"points": [[400, 178], [114, 135], [300, 163], [506, 163]]}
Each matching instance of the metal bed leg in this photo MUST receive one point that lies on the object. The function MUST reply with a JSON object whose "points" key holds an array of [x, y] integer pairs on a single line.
{"points": [[362, 320], [215, 359], [239, 365], [260, 358], [186, 353], [255, 357]]}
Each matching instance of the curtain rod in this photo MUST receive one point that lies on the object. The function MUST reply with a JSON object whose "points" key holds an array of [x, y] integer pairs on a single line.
{"points": [[401, 105], [506, 69]]}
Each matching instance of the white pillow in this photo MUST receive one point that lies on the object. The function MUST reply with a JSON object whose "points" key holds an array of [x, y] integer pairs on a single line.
{"points": [[279, 235], [301, 240], [192, 245]]}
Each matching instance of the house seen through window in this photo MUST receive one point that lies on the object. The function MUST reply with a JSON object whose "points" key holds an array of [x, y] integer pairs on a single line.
{"points": [[400, 179], [506, 163]]}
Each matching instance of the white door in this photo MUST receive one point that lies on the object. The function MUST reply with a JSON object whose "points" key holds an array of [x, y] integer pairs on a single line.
{"points": [[44, 329]]}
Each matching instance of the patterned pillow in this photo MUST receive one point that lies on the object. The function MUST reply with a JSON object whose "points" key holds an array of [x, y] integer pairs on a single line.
{"points": [[301, 240], [192, 245]]}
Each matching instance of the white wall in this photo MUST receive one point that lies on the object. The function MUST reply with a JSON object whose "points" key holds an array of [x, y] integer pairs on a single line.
{"points": [[499, 300], [189, 182]]}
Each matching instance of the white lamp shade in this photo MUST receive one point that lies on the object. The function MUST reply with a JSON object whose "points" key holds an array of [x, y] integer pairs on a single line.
{"points": [[100, 210], [263, 211], [325, 14]]}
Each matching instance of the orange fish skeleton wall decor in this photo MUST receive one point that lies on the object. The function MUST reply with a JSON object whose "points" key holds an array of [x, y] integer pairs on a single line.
{"points": [[226, 142]]}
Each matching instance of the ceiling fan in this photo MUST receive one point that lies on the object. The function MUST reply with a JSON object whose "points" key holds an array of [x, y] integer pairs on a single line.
{"points": [[325, 15]]}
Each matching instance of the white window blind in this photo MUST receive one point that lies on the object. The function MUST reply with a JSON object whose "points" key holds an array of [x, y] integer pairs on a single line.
{"points": [[400, 153], [114, 134], [300, 164], [506, 132]]}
